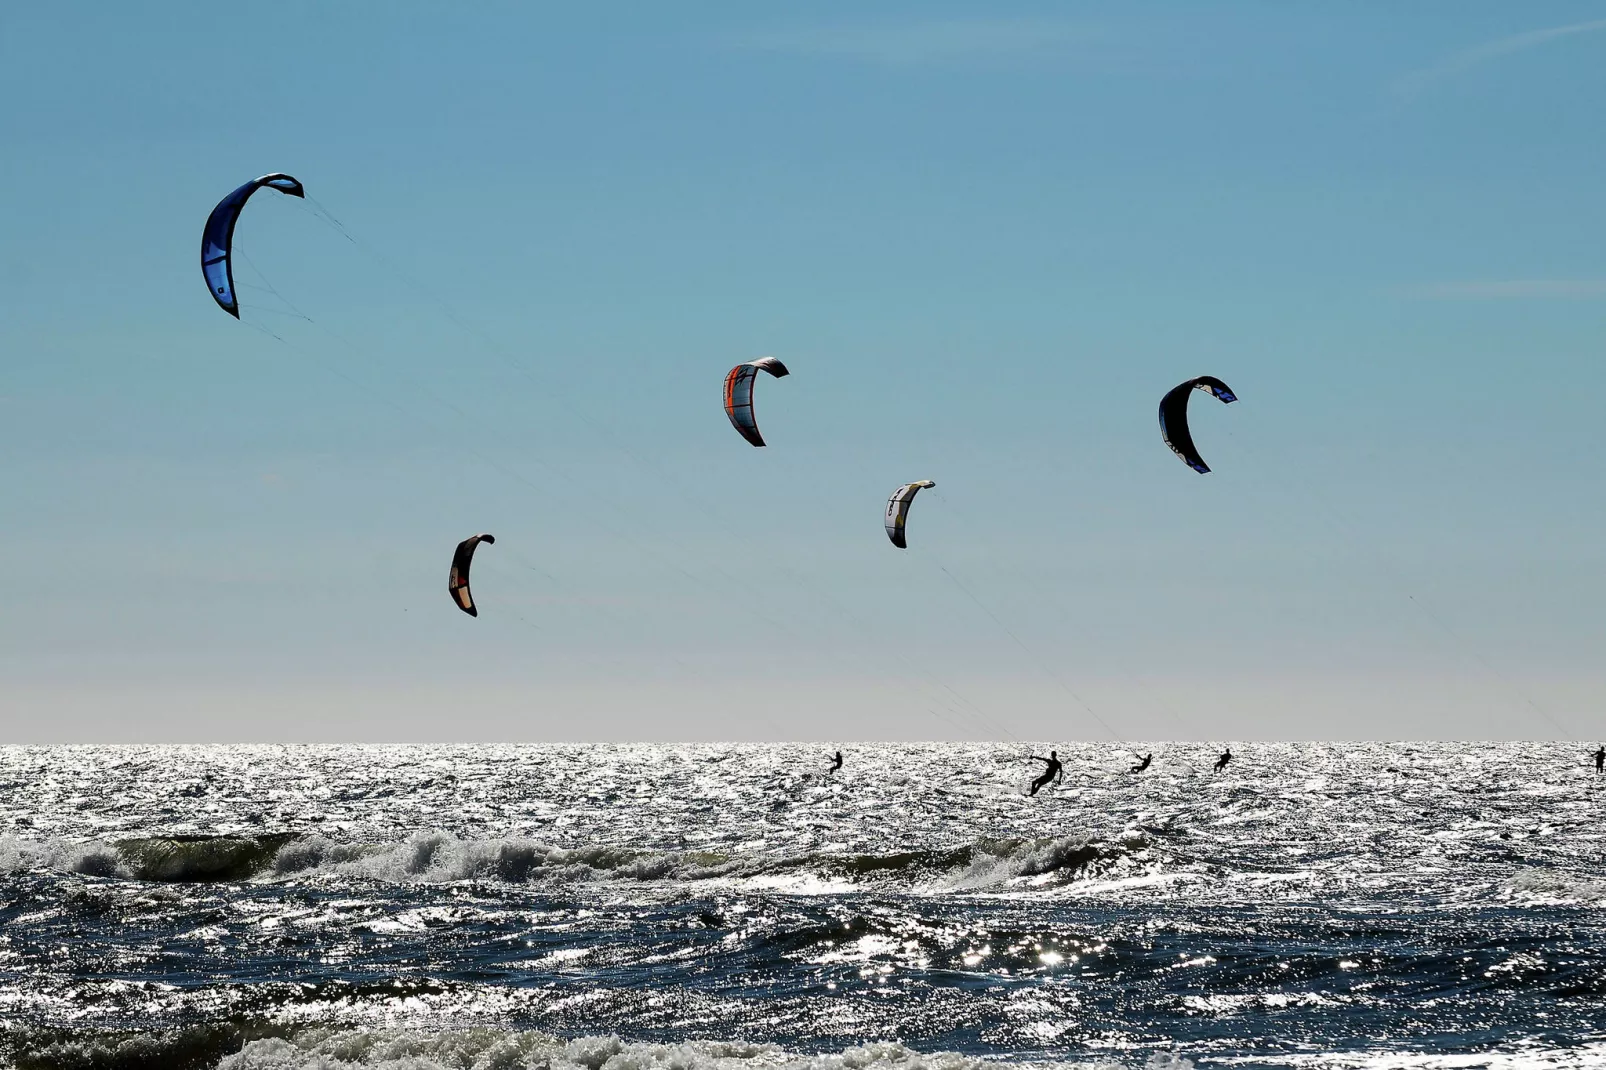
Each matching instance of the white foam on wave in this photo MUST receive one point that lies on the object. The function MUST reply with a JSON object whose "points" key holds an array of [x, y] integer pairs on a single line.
{"points": [[500, 1049], [1038, 862], [1584, 1057], [441, 857], [91, 858], [1549, 888], [436, 856], [1131, 884]]}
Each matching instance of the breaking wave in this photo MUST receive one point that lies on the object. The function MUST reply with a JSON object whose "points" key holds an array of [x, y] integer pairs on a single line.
{"points": [[438, 857], [1549, 887], [488, 1048], [494, 1049], [173, 859]]}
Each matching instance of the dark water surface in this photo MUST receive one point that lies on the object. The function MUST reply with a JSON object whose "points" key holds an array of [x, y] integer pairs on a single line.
{"points": [[728, 907]]}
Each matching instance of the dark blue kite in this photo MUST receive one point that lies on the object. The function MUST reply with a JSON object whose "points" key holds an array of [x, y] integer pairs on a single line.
{"points": [[217, 241], [1174, 417]]}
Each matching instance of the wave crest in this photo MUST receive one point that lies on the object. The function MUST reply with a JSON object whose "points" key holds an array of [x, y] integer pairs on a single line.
{"points": [[440, 857], [501, 1049]]}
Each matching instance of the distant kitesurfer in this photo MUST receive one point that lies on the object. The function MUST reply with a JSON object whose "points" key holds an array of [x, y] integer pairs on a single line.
{"points": [[1600, 760], [1054, 772], [1144, 764], [836, 763], [1221, 762]]}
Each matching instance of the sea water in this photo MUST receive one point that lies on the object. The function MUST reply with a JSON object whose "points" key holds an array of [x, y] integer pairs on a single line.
{"points": [[724, 907]]}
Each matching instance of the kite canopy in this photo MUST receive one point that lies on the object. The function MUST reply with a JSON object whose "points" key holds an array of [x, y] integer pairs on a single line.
{"points": [[898, 510], [739, 395], [461, 560], [1174, 417], [217, 241]]}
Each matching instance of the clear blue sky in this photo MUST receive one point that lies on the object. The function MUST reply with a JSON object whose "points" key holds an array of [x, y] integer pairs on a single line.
{"points": [[985, 239]]}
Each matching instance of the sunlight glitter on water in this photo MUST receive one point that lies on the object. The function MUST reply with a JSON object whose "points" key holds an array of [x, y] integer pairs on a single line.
{"points": [[1327, 907]]}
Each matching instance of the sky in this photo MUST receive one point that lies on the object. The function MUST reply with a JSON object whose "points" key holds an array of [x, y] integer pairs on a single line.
{"points": [[985, 238]]}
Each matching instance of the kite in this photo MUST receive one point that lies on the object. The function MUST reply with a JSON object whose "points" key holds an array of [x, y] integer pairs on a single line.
{"points": [[1174, 417], [217, 241], [739, 395], [461, 560], [898, 510]]}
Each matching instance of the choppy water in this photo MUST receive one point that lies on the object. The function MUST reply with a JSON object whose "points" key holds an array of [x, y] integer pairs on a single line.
{"points": [[731, 907]]}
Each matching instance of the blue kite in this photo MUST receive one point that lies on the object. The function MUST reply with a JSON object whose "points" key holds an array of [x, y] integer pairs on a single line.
{"points": [[217, 241]]}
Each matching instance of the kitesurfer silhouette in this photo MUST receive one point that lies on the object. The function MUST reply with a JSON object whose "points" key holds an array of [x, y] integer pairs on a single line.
{"points": [[836, 763], [1053, 772], [1600, 760], [1144, 764], [1226, 756]]}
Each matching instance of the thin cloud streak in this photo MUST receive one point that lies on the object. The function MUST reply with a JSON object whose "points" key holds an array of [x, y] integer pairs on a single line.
{"points": [[1473, 57], [1511, 288], [927, 42]]}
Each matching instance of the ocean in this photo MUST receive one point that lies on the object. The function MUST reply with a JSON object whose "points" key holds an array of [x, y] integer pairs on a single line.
{"points": [[725, 907]]}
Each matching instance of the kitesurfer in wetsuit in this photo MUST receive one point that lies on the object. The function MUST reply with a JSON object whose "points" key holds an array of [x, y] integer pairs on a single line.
{"points": [[1053, 772], [836, 763], [1144, 764], [1600, 760], [1221, 762]]}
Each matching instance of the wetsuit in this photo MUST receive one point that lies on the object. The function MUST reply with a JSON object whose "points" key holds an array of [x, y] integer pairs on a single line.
{"points": [[1144, 764], [1221, 762], [1053, 772], [836, 763]]}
